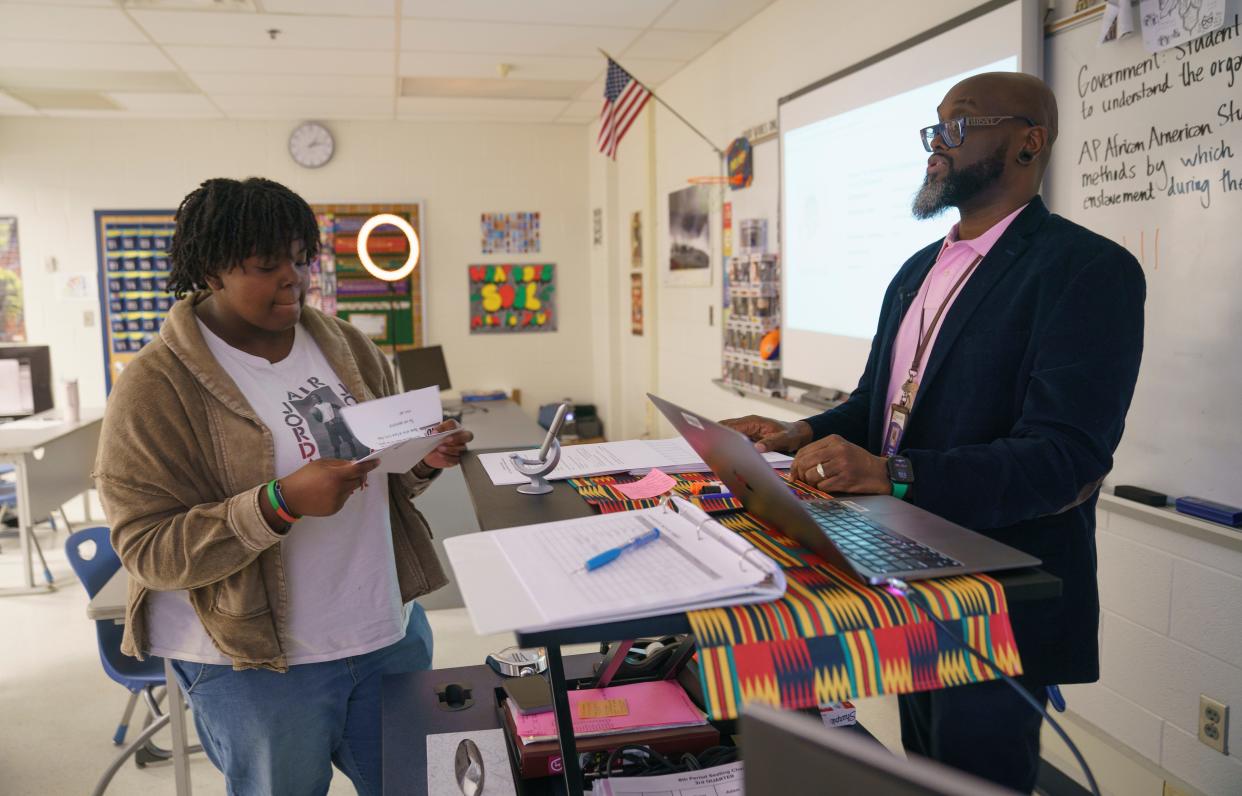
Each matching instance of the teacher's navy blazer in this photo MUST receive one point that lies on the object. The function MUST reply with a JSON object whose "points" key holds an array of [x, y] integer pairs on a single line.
{"points": [[1019, 411]]}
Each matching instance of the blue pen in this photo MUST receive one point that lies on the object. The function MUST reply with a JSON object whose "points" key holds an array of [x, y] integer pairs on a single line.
{"points": [[608, 556]]}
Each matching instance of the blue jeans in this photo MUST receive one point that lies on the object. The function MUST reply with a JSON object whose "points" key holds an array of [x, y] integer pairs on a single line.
{"points": [[275, 734]]}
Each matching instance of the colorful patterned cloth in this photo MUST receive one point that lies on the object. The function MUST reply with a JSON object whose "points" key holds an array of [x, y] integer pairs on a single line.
{"points": [[831, 638], [600, 491]]}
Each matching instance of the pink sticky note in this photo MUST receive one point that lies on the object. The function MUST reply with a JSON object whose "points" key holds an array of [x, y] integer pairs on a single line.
{"points": [[654, 483]]}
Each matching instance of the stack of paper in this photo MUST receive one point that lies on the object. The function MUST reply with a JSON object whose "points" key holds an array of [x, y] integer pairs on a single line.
{"points": [[723, 780], [533, 577], [672, 455]]}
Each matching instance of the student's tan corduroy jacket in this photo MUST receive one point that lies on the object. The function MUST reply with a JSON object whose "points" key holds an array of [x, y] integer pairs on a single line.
{"points": [[181, 464]]}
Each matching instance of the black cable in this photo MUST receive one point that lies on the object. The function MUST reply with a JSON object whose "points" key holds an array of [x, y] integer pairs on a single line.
{"points": [[903, 589]]}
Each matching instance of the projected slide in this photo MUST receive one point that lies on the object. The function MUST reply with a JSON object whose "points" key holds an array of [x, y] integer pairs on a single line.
{"points": [[848, 182]]}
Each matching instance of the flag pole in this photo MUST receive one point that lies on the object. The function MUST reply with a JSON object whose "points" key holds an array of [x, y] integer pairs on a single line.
{"points": [[656, 97]]}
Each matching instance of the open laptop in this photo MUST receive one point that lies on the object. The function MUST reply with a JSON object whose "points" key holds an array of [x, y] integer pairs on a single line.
{"points": [[874, 537]]}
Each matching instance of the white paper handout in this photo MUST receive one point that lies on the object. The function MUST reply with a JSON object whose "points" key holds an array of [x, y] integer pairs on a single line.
{"points": [[1168, 23], [600, 458], [398, 429], [723, 780]]}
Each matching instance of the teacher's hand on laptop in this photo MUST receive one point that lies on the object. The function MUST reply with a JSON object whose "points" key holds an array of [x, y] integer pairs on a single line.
{"points": [[873, 537], [831, 464], [771, 435]]}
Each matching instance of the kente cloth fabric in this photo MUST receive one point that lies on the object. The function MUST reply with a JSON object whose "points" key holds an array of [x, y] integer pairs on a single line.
{"points": [[600, 491], [832, 638]]}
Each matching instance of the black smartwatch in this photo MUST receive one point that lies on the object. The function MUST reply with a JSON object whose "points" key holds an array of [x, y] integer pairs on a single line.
{"points": [[901, 474]]}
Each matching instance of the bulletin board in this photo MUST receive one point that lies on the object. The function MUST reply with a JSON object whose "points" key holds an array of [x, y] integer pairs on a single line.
{"points": [[133, 268], [390, 313]]}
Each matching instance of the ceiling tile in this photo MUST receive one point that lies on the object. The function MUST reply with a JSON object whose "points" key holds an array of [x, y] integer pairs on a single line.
{"points": [[78, 3], [240, 107], [671, 44], [96, 80], [340, 8], [522, 67], [59, 23], [180, 105], [495, 37], [652, 71], [295, 85], [11, 106], [77, 55], [517, 110], [262, 60], [594, 92], [581, 111], [493, 88], [720, 16], [251, 30], [59, 99], [606, 13]]}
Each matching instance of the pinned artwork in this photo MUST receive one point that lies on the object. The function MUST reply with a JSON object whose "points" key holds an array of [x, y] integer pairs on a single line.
{"points": [[510, 233], [512, 298], [689, 257], [636, 241], [12, 319], [636, 304]]}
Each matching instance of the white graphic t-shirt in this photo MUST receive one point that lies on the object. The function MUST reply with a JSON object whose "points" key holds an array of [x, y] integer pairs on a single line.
{"points": [[342, 580]]}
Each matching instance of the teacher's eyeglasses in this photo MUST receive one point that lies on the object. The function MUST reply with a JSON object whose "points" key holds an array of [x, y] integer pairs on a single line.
{"points": [[953, 131]]}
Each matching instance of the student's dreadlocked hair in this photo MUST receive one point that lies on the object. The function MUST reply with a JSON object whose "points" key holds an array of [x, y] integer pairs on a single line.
{"points": [[224, 221]]}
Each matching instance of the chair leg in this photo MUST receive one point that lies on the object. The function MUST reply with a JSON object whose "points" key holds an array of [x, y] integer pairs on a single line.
{"points": [[118, 737], [151, 752], [115, 766]]}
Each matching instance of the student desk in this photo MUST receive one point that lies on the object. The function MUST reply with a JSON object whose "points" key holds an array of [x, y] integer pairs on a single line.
{"points": [[53, 460], [503, 507]]}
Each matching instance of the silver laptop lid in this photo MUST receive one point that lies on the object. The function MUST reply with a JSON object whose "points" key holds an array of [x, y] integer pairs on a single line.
{"points": [[750, 478]]}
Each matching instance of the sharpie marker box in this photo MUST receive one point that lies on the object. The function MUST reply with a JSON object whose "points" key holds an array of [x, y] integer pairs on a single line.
{"points": [[1210, 510]]}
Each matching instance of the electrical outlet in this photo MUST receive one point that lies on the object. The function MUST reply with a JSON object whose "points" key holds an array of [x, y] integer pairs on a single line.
{"points": [[1213, 723]]}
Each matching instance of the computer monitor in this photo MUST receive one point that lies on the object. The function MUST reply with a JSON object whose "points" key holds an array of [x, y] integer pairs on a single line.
{"points": [[793, 754], [423, 367], [25, 380]]}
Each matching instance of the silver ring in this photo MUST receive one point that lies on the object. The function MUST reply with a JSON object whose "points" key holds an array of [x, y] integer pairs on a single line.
{"points": [[819, 468]]}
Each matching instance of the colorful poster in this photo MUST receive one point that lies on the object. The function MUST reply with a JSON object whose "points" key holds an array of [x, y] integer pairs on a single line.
{"points": [[512, 298], [741, 164], [636, 241], [689, 257], [636, 305], [510, 233], [12, 317]]}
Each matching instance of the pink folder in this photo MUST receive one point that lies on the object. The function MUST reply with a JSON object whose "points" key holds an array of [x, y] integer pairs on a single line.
{"points": [[658, 704]]}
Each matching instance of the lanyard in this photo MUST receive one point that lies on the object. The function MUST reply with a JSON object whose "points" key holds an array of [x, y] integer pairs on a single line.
{"points": [[912, 382]]}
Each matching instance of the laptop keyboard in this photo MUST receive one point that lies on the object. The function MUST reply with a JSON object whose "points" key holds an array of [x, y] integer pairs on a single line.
{"points": [[871, 547]]}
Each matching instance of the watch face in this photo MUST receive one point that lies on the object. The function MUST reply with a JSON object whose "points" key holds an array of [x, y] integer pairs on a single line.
{"points": [[900, 470], [311, 145]]}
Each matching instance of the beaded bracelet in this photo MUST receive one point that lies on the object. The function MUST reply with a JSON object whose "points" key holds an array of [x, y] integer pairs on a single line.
{"points": [[277, 504]]}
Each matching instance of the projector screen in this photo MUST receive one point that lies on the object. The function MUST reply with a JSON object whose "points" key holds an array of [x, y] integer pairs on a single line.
{"points": [[851, 162]]}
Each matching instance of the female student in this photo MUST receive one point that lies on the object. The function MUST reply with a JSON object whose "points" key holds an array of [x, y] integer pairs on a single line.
{"points": [[277, 578]]}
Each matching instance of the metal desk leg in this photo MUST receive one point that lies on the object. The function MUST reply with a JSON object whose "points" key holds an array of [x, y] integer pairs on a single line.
{"points": [[180, 745], [564, 722], [25, 532]]}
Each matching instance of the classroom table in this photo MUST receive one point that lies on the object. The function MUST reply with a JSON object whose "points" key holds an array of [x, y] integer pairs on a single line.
{"points": [[503, 507], [53, 460]]}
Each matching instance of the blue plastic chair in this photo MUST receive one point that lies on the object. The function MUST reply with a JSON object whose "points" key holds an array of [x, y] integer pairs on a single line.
{"points": [[140, 678]]}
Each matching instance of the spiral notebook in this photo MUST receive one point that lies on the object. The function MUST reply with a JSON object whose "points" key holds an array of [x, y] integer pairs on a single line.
{"points": [[532, 577]]}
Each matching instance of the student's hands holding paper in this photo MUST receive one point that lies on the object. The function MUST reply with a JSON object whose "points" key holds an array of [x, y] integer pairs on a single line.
{"points": [[833, 465], [320, 488], [772, 435], [448, 452]]}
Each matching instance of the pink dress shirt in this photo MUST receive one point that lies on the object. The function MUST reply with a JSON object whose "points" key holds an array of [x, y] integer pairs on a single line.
{"points": [[955, 256]]}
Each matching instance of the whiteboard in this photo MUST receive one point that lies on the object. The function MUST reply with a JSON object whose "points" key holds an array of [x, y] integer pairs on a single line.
{"points": [[1136, 161]]}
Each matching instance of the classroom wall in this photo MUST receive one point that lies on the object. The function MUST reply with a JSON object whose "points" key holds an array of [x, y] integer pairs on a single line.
{"points": [[55, 172]]}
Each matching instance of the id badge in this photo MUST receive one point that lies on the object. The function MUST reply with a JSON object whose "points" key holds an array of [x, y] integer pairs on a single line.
{"points": [[896, 429]]}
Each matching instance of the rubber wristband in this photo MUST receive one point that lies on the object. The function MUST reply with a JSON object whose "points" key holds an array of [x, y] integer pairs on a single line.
{"points": [[280, 497], [899, 490], [275, 504]]}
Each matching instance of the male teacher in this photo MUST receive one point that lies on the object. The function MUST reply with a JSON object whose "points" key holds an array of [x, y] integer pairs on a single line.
{"points": [[994, 396]]}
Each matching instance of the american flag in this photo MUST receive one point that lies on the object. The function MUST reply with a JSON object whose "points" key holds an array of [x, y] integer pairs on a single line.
{"points": [[624, 98]]}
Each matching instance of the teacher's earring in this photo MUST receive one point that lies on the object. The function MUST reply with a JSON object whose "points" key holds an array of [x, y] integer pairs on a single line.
{"points": [[1025, 157]]}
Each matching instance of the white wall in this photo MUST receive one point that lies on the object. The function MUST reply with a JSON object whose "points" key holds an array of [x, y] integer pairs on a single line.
{"points": [[55, 172]]}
